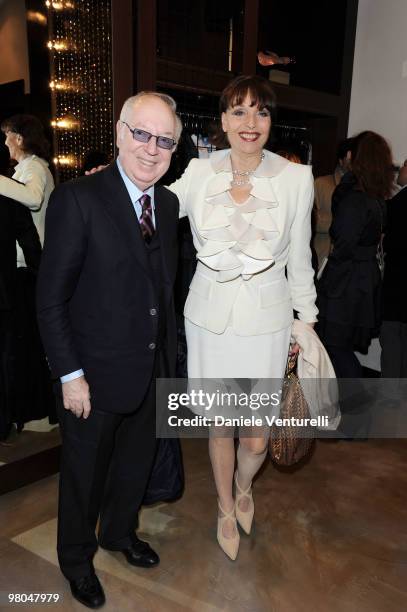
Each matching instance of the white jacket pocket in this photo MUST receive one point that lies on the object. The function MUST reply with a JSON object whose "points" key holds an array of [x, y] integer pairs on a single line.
{"points": [[274, 293]]}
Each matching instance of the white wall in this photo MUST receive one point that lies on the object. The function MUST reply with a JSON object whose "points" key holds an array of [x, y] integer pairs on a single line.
{"points": [[379, 87], [13, 43]]}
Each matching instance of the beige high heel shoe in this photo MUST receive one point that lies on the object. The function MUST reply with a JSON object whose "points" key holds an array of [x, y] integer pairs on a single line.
{"points": [[230, 546], [245, 519]]}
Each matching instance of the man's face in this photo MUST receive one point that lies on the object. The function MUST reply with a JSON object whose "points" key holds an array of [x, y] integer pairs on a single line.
{"points": [[402, 177], [145, 163]]}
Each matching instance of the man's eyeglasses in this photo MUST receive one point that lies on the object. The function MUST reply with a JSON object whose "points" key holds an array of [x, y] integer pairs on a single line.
{"points": [[142, 136]]}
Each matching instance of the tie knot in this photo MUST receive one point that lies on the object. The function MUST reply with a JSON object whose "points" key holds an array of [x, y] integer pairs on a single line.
{"points": [[145, 201]]}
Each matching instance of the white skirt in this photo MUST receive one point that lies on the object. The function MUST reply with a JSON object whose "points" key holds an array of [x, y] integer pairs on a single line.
{"points": [[221, 364], [228, 355]]}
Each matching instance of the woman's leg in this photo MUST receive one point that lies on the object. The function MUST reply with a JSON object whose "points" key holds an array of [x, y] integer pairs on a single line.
{"points": [[222, 455], [250, 457]]}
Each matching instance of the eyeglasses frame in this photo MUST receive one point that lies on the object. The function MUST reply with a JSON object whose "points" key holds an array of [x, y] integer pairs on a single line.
{"points": [[132, 130]]}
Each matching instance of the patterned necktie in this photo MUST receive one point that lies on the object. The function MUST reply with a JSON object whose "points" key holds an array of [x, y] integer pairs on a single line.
{"points": [[146, 220]]}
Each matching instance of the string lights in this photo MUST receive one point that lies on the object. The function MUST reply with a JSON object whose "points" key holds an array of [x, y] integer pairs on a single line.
{"points": [[66, 123], [58, 45], [65, 160], [59, 6], [81, 81], [37, 17]]}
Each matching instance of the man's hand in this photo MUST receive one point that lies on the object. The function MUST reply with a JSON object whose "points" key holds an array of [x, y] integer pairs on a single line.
{"points": [[76, 397], [94, 170]]}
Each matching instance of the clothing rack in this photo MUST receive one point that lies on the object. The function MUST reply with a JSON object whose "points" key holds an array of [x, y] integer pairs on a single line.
{"points": [[197, 123], [197, 126], [291, 127], [198, 115], [294, 138]]}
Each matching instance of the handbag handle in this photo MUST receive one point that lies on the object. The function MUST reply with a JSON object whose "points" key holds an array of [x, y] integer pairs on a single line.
{"points": [[291, 364]]}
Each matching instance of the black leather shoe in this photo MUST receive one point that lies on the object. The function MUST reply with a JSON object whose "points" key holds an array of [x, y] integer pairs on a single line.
{"points": [[88, 591], [141, 554]]}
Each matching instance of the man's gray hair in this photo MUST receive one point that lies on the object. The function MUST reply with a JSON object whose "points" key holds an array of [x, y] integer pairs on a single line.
{"points": [[168, 100]]}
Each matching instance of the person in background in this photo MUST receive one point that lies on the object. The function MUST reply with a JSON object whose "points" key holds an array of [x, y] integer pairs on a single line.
{"points": [[290, 155], [16, 225], [349, 288], [393, 333], [32, 181], [30, 186], [324, 188], [293, 157]]}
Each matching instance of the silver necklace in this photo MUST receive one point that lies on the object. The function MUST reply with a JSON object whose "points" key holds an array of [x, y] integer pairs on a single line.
{"points": [[237, 182]]}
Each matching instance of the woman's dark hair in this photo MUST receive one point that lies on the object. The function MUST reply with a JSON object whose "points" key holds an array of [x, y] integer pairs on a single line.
{"points": [[261, 94], [258, 88], [32, 132], [372, 164]]}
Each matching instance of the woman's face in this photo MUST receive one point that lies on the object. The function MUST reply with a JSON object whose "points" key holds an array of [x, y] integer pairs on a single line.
{"points": [[13, 143], [247, 127]]}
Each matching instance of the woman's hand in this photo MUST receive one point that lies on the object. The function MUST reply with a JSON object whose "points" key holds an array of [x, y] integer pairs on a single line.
{"points": [[295, 347]]}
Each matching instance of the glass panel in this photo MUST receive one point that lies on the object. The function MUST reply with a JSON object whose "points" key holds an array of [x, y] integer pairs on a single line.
{"points": [[206, 34], [312, 33]]}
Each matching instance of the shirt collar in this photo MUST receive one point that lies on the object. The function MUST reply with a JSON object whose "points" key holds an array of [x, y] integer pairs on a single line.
{"points": [[23, 162], [134, 192]]}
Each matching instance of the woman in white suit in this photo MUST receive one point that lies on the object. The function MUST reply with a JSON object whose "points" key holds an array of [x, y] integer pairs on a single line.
{"points": [[32, 181], [250, 212]]}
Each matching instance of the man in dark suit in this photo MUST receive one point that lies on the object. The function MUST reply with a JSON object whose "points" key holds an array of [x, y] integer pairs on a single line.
{"points": [[16, 224], [106, 317], [393, 333]]}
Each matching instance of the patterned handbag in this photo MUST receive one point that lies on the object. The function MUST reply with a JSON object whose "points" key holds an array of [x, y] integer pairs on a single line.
{"points": [[288, 444]]}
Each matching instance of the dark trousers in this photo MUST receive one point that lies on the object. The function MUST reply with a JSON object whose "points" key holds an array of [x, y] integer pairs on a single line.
{"points": [[105, 467], [345, 362], [354, 400], [393, 340], [7, 380]]}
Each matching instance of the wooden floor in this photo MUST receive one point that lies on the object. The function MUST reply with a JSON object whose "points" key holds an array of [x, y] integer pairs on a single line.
{"points": [[329, 537], [27, 443]]}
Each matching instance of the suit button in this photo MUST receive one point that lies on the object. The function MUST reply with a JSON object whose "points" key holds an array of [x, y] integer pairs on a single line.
{"points": [[153, 312], [151, 346]]}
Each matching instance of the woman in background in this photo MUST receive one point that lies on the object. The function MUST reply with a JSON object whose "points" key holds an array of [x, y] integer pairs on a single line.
{"points": [[16, 225], [32, 181], [349, 289], [30, 186]]}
